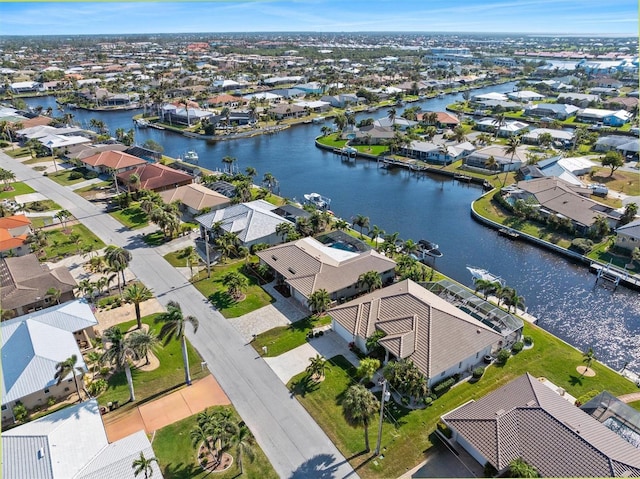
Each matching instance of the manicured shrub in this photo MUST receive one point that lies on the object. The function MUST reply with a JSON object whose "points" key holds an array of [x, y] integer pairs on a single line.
{"points": [[478, 372], [20, 412], [444, 429], [51, 401], [582, 245], [517, 347], [428, 401], [432, 396], [503, 356], [528, 340], [75, 175], [441, 388], [586, 397], [97, 387]]}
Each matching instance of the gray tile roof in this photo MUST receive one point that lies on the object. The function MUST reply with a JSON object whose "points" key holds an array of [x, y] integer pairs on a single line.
{"points": [[419, 325], [33, 344], [307, 265], [527, 419]]}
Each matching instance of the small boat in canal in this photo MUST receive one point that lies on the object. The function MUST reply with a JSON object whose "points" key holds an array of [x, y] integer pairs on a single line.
{"points": [[191, 157], [317, 200], [483, 274]]}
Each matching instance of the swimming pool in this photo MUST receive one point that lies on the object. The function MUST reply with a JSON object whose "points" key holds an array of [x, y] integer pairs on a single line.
{"points": [[622, 430]]}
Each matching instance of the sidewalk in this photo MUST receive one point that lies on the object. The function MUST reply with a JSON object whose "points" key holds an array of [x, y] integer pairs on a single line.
{"points": [[166, 410]]}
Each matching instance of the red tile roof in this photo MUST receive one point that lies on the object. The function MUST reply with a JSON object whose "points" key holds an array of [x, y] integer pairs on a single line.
{"points": [[156, 177], [116, 160]]}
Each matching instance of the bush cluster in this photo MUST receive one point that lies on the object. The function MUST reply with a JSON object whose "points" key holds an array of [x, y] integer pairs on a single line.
{"points": [[528, 340], [478, 372], [441, 388], [503, 356], [517, 347]]}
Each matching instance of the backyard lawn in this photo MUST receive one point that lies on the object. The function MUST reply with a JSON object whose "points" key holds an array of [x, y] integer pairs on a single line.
{"points": [[132, 217], [147, 384], [285, 338], [61, 242], [408, 437], [332, 140], [213, 289], [627, 182], [17, 188], [177, 456], [66, 177]]}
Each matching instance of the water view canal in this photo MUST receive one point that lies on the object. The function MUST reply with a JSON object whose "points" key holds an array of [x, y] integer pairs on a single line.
{"points": [[561, 294]]}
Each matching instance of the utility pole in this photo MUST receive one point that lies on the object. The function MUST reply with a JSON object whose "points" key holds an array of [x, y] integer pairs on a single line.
{"points": [[385, 397]]}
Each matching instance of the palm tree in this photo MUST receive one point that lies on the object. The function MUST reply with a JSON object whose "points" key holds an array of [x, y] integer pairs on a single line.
{"points": [[317, 367], [174, 327], [491, 163], [236, 283], [62, 216], [118, 354], [512, 148], [458, 134], [269, 181], [54, 294], [285, 230], [391, 114], [367, 368], [520, 468], [251, 172], [361, 222], [375, 233], [371, 280], [229, 161], [142, 465], [143, 342], [409, 247], [359, 406], [201, 434], [588, 357], [66, 367], [118, 259], [244, 446], [134, 182], [319, 301], [136, 294]]}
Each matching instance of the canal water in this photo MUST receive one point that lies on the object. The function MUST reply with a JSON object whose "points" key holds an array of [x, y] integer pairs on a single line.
{"points": [[562, 295]]}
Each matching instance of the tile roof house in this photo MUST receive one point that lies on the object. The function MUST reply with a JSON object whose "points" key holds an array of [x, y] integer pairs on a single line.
{"points": [[306, 265], [439, 338], [628, 236], [155, 177], [444, 153], [14, 231], [111, 160], [72, 444], [195, 197], [504, 161], [24, 283], [33, 344], [526, 419], [254, 222]]}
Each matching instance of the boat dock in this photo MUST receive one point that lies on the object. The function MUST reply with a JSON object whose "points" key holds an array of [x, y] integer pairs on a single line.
{"points": [[509, 233], [613, 275]]}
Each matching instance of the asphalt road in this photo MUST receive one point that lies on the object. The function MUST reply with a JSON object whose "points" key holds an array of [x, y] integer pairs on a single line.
{"points": [[291, 439]]}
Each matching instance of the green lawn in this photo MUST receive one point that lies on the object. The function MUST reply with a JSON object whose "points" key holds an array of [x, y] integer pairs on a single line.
{"points": [[132, 217], [177, 456], [60, 244], [212, 288], [18, 152], [635, 405], [285, 338], [42, 205], [63, 177], [405, 443], [332, 140], [167, 376], [40, 221], [177, 259], [601, 253], [627, 182], [17, 188], [156, 238], [372, 149]]}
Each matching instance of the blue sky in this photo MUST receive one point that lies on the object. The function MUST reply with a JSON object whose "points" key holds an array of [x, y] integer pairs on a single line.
{"points": [[494, 16]]}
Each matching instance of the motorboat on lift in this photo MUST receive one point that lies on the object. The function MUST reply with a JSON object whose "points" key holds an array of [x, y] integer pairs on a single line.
{"points": [[317, 200]]}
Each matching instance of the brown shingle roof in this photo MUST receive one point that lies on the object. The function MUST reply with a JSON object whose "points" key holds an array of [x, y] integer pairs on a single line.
{"points": [[196, 196], [419, 325], [154, 176], [527, 419]]}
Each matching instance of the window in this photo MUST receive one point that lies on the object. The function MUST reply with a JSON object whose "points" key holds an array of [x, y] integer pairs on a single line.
{"points": [[4, 407], [46, 391], [460, 365]]}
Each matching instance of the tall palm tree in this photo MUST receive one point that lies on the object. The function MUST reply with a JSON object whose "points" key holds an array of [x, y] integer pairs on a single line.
{"points": [[371, 280], [136, 294], [512, 148], [359, 407], [66, 367], [319, 301], [118, 259], [118, 354], [588, 357], [269, 181], [174, 325], [361, 222], [244, 444], [229, 161], [392, 114], [142, 465], [62, 216], [375, 233]]}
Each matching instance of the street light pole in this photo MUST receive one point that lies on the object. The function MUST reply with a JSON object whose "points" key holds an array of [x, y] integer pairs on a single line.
{"points": [[385, 397]]}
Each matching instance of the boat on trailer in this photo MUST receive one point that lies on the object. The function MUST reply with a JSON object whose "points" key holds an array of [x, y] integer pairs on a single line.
{"points": [[317, 200], [483, 274]]}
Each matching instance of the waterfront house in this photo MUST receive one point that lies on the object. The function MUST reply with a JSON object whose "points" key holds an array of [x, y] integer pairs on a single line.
{"points": [[33, 344], [482, 97], [628, 236], [370, 135], [316, 106], [567, 169], [420, 326], [398, 122], [311, 87], [181, 115], [557, 111], [444, 119], [112, 161], [155, 177], [533, 136], [25, 87], [306, 265], [528, 420], [225, 85], [443, 153], [551, 195], [341, 100], [25, 283], [507, 129], [253, 222], [225, 100], [285, 110], [14, 231], [525, 96], [503, 161], [194, 198], [72, 444], [582, 100], [606, 117]]}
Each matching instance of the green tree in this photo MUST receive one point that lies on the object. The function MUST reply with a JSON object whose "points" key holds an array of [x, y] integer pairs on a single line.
{"points": [[62, 216], [588, 357], [520, 468], [319, 301], [317, 367], [511, 149], [54, 294], [613, 160], [371, 280], [367, 368], [142, 465], [66, 367], [118, 354], [361, 222], [118, 260], [174, 326], [244, 445], [236, 284], [359, 407], [630, 212], [136, 294], [143, 342]]}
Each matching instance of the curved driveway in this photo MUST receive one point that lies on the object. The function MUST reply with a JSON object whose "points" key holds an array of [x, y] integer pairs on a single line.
{"points": [[291, 439]]}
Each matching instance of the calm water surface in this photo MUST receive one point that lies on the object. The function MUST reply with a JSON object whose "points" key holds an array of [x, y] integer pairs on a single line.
{"points": [[561, 294]]}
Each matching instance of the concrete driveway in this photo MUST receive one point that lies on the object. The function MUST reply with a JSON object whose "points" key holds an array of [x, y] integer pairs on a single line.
{"points": [[295, 361], [443, 462]]}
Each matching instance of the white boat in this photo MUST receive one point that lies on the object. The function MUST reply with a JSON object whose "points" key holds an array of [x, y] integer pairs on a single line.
{"points": [[425, 250], [191, 157], [318, 119], [317, 200], [483, 274], [142, 123]]}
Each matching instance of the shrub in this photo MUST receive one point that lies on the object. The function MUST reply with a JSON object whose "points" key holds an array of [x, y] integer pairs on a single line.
{"points": [[586, 397], [405, 400], [478, 372], [20, 412], [517, 347], [51, 401], [90, 175], [441, 388], [97, 387], [427, 401], [105, 370], [432, 396], [582, 245], [528, 340], [75, 175], [4, 144], [444, 429], [503, 356]]}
